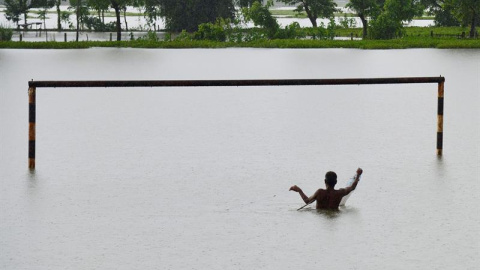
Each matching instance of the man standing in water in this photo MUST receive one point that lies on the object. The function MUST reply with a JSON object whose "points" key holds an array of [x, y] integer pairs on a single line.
{"points": [[329, 198]]}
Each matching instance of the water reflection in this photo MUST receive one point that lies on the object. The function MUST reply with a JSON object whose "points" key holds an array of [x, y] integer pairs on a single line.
{"points": [[439, 167], [31, 177], [330, 214]]}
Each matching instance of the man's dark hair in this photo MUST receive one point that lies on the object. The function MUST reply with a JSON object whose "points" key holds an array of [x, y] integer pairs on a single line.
{"points": [[331, 179]]}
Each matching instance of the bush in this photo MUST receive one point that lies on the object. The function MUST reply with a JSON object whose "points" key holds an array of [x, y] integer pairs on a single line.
{"points": [[385, 27], [183, 36], [347, 22], [331, 28], [210, 31], [94, 23], [291, 31], [5, 34], [150, 36], [254, 34]]}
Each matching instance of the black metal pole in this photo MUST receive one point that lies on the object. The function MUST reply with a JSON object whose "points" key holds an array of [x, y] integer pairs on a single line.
{"points": [[440, 119], [31, 126], [200, 83]]}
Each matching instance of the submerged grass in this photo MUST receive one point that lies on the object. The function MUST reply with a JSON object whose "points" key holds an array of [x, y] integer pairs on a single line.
{"points": [[404, 43]]}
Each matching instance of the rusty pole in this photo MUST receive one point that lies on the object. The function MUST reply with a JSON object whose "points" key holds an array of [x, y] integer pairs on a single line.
{"points": [[31, 126], [440, 119], [210, 83]]}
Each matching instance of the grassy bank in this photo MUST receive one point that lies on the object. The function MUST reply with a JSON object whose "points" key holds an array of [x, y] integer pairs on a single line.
{"points": [[409, 31], [404, 43]]}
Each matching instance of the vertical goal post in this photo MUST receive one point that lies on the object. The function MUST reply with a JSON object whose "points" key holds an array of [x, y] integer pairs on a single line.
{"points": [[33, 85]]}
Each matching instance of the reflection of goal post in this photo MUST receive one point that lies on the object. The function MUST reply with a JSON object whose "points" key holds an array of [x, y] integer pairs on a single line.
{"points": [[33, 85]]}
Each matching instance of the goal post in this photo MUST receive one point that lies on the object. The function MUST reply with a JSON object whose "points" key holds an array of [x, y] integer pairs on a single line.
{"points": [[33, 85]]}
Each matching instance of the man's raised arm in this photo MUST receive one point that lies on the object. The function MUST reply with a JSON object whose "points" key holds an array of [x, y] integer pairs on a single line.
{"points": [[355, 183]]}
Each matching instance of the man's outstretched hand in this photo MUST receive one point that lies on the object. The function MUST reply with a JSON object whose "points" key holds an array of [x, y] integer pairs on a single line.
{"points": [[295, 188], [359, 171]]}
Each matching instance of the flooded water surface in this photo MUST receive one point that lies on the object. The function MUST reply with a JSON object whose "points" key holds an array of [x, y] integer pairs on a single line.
{"points": [[198, 178]]}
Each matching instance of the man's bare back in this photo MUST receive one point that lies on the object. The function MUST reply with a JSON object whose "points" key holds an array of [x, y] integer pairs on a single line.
{"points": [[328, 198]]}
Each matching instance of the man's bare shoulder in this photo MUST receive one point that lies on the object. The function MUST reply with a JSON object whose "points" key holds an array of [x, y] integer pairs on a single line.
{"points": [[342, 191], [320, 192]]}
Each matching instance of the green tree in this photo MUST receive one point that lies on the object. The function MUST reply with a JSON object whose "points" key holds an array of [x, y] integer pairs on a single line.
{"points": [[188, 14], [442, 11], [16, 8], [364, 9], [59, 14], [118, 6], [245, 3], [261, 16], [152, 12], [100, 6], [42, 15], [403, 10], [385, 26], [44, 5], [389, 23], [314, 8], [81, 12], [468, 12], [65, 18]]}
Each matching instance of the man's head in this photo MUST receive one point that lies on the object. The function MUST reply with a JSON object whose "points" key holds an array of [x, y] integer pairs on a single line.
{"points": [[331, 179]]}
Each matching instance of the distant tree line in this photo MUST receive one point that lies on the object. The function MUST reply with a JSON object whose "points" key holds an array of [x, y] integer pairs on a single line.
{"points": [[381, 19], [385, 17]]}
